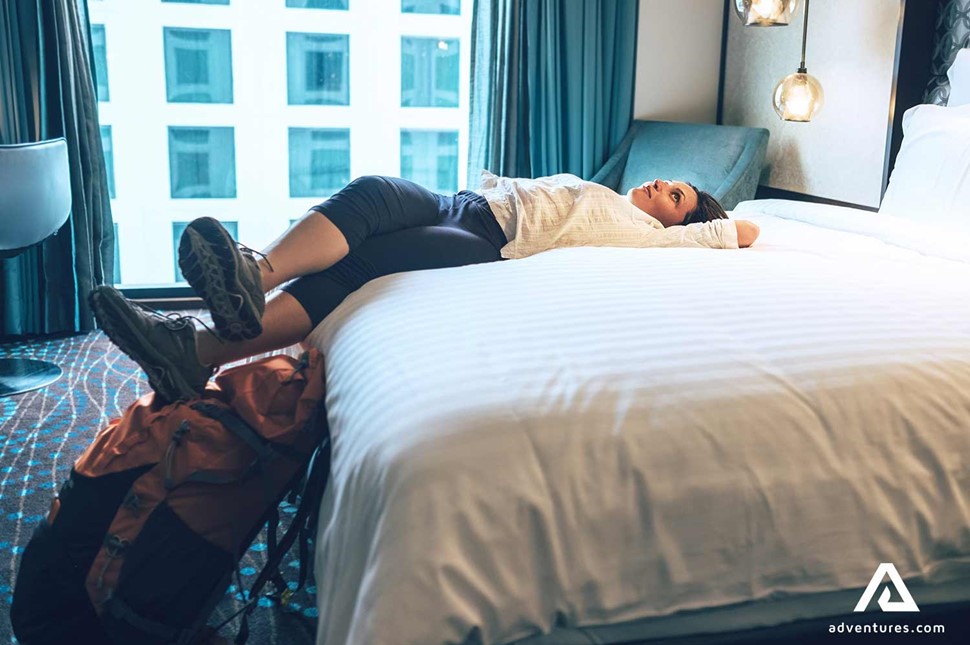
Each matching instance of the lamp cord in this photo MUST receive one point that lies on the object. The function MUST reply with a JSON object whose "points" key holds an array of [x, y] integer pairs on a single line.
{"points": [[802, 69]]}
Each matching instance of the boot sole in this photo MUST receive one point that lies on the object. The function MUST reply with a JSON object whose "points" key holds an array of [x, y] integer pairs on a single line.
{"points": [[208, 260], [115, 319]]}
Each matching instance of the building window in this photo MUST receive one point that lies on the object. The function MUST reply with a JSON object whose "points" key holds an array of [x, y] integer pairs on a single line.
{"points": [[271, 78], [109, 158], [100, 47], [178, 228], [317, 4], [202, 162], [116, 278], [429, 72], [450, 7], [318, 69], [198, 65], [430, 158], [319, 161]]}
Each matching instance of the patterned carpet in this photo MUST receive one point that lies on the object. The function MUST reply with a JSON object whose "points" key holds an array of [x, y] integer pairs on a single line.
{"points": [[43, 432]]}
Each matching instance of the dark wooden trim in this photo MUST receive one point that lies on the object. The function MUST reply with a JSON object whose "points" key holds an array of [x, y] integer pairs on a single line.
{"points": [[171, 304], [156, 292], [723, 71], [767, 192], [915, 38], [893, 94]]}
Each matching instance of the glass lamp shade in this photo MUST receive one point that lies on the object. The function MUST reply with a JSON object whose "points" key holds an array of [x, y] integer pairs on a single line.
{"points": [[765, 13], [798, 97]]}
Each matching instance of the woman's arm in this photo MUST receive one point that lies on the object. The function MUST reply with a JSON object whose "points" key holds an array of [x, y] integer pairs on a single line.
{"points": [[747, 232]]}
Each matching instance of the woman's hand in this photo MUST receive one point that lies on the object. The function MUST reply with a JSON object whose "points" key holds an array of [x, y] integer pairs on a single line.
{"points": [[747, 232]]}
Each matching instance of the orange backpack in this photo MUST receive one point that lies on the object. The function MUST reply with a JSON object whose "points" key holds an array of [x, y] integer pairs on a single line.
{"points": [[141, 542]]}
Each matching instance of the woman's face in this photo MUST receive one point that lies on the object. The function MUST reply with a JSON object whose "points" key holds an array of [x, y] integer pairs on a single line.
{"points": [[667, 201]]}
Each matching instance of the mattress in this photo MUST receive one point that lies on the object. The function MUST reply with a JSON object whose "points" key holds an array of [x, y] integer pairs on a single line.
{"points": [[596, 436]]}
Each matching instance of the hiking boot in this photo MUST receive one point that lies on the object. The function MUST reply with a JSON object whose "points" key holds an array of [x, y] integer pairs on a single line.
{"points": [[163, 346], [225, 276]]}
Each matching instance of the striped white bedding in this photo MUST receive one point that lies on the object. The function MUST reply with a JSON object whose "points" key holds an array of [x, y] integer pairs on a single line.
{"points": [[597, 435]]}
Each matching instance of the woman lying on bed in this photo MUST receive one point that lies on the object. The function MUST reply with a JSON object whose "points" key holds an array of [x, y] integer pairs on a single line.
{"points": [[376, 226]]}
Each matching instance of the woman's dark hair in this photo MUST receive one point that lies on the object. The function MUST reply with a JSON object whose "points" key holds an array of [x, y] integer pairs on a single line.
{"points": [[707, 208]]}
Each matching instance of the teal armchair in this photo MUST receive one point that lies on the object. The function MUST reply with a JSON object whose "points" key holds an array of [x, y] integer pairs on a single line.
{"points": [[724, 160]]}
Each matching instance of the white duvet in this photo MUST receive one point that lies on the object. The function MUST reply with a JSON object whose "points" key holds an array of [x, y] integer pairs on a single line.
{"points": [[596, 435]]}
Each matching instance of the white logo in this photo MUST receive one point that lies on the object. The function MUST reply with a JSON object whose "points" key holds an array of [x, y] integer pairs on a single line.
{"points": [[906, 604]]}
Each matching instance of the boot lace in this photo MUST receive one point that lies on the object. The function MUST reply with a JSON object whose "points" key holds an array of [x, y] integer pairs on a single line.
{"points": [[175, 321], [246, 249]]}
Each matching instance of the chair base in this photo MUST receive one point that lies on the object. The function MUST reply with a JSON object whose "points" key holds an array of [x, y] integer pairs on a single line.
{"points": [[19, 375]]}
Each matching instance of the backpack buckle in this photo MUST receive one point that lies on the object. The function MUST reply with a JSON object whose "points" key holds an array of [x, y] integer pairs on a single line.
{"points": [[285, 597], [115, 545], [132, 502]]}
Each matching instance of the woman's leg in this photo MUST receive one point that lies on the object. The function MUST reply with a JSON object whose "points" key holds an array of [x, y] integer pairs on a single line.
{"points": [[367, 207], [292, 313], [232, 282], [179, 361], [313, 244], [285, 323]]}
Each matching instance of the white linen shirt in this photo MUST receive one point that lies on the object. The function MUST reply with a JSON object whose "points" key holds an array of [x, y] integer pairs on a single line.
{"points": [[563, 210]]}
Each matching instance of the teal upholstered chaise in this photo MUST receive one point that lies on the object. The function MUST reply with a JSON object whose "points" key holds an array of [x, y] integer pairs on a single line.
{"points": [[723, 160]]}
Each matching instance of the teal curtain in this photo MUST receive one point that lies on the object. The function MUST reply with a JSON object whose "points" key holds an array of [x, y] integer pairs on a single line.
{"points": [[47, 91], [552, 85]]}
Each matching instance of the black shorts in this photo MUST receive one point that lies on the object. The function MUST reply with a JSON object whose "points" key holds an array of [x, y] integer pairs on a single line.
{"points": [[394, 225]]}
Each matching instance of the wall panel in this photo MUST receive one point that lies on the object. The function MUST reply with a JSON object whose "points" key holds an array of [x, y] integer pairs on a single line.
{"points": [[841, 154]]}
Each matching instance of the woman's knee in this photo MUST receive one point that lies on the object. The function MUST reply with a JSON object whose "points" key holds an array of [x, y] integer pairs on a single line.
{"points": [[369, 183], [357, 209]]}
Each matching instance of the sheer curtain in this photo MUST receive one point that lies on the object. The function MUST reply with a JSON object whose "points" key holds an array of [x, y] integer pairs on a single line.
{"points": [[47, 91], [552, 85]]}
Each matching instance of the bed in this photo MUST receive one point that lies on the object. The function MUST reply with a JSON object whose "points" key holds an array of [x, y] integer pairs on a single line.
{"points": [[602, 445], [594, 436]]}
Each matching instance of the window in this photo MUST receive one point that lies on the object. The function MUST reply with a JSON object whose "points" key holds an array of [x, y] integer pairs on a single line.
{"points": [[198, 65], [429, 72], [318, 69], [178, 228], [319, 161], [241, 110], [450, 7], [99, 45], [317, 4], [202, 162], [430, 158], [109, 158]]}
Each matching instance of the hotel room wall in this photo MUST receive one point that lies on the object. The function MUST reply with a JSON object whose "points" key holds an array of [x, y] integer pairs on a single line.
{"points": [[841, 154], [678, 60]]}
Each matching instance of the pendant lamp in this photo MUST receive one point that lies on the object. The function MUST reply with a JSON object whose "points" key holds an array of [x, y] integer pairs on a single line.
{"points": [[799, 96], [765, 13]]}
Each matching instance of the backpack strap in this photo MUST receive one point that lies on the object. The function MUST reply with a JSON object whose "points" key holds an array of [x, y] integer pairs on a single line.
{"points": [[264, 448], [120, 610], [315, 482], [318, 474]]}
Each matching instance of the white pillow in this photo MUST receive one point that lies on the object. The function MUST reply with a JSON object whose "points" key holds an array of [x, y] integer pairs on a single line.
{"points": [[931, 179], [959, 75]]}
